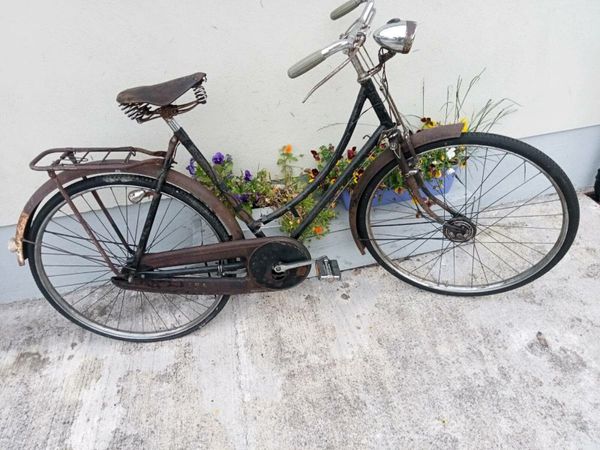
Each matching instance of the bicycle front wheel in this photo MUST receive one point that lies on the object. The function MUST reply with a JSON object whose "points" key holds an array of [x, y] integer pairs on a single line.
{"points": [[74, 276], [515, 216]]}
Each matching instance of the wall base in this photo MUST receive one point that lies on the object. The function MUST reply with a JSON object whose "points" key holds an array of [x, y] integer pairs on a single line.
{"points": [[576, 151]]}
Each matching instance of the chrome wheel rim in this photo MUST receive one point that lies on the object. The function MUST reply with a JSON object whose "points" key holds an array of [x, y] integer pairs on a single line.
{"points": [[512, 257], [79, 281]]}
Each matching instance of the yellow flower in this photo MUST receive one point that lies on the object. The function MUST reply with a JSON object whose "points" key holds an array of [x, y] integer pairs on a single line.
{"points": [[287, 149], [437, 173], [428, 123], [465, 123]]}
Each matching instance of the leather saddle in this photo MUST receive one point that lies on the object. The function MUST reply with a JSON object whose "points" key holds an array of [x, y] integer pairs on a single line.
{"points": [[162, 94]]}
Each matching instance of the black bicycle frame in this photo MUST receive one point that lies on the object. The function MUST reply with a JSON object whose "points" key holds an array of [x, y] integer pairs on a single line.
{"points": [[367, 92]]}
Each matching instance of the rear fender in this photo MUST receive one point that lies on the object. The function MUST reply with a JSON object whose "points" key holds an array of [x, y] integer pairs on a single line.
{"points": [[152, 170], [437, 134]]}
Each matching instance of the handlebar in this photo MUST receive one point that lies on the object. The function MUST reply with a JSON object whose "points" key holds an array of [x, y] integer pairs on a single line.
{"points": [[344, 9], [346, 42], [316, 58]]}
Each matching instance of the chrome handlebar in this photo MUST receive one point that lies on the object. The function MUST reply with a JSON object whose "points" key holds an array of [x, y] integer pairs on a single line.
{"points": [[347, 41], [316, 58], [344, 9]]}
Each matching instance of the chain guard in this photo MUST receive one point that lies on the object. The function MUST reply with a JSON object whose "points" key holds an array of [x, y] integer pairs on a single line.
{"points": [[260, 256]]}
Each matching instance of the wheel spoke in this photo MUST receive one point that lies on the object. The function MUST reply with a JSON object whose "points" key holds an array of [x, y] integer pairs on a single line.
{"points": [[510, 223], [77, 277]]}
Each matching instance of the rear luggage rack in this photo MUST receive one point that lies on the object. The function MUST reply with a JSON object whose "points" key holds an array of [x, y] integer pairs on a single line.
{"points": [[119, 159]]}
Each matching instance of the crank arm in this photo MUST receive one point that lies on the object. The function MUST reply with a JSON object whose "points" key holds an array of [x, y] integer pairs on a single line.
{"points": [[281, 268]]}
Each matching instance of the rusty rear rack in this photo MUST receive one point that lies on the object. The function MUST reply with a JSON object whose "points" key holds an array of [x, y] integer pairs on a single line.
{"points": [[90, 159]]}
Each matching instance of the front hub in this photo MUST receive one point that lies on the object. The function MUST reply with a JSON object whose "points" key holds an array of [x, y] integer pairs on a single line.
{"points": [[459, 229]]}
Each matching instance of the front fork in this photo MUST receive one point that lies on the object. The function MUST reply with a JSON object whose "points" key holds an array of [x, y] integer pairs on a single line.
{"points": [[413, 178]]}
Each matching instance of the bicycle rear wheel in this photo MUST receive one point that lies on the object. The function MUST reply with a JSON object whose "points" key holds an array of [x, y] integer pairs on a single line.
{"points": [[75, 278], [518, 216]]}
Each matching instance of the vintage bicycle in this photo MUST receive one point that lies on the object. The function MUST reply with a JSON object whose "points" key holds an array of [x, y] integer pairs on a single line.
{"points": [[124, 246]]}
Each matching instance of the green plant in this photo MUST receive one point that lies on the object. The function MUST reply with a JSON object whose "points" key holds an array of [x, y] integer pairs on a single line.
{"points": [[483, 119], [291, 186], [252, 190], [432, 165], [260, 190]]}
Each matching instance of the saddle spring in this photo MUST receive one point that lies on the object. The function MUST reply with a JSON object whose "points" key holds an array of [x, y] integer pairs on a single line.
{"points": [[200, 93], [143, 112], [139, 112]]}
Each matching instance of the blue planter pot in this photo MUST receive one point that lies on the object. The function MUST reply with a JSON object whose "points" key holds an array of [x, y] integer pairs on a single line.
{"points": [[438, 186]]}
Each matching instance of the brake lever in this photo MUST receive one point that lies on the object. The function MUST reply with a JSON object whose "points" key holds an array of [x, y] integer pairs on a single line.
{"points": [[326, 79], [358, 43]]}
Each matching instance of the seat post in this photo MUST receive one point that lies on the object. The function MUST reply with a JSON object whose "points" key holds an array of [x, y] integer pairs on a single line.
{"points": [[173, 124]]}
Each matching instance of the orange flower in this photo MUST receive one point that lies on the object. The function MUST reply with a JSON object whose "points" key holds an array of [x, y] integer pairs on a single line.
{"points": [[318, 230], [287, 149]]}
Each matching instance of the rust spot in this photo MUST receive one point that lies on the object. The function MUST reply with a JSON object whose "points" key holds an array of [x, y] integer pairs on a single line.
{"points": [[21, 227]]}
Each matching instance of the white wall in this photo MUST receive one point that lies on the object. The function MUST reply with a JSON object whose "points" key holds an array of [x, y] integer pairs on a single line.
{"points": [[63, 62]]}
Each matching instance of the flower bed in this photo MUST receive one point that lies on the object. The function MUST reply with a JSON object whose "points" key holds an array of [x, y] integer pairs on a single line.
{"points": [[438, 186], [260, 190]]}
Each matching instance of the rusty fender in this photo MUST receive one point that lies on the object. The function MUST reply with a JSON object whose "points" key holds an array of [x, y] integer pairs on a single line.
{"points": [[437, 134], [150, 168]]}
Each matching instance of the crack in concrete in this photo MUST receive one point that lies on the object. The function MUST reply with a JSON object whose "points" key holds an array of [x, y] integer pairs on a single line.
{"points": [[239, 369]]}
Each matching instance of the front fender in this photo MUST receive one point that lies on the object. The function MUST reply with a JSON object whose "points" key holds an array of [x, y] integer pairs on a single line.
{"points": [[152, 170], [437, 134]]}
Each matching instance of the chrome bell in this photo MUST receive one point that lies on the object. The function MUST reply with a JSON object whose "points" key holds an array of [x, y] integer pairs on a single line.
{"points": [[396, 35]]}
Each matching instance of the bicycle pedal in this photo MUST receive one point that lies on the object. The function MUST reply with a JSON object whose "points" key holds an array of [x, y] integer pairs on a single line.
{"points": [[328, 269]]}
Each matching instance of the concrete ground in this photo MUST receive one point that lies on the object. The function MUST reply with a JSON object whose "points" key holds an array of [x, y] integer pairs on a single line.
{"points": [[368, 362]]}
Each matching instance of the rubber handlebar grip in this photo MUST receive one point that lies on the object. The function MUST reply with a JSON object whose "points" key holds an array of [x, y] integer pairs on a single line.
{"points": [[306, 64], [344, 9]]}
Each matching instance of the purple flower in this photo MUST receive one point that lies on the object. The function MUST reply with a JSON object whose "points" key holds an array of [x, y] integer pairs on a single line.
{"points": [[242, 197], [247, 175], [191, 167], [218, 158]]}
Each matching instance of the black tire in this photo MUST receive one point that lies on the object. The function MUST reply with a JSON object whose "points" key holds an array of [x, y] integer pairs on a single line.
{"points": [[514, 149], [50, 214]]}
